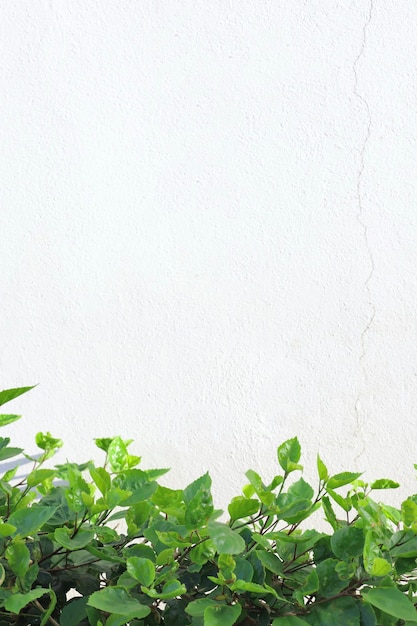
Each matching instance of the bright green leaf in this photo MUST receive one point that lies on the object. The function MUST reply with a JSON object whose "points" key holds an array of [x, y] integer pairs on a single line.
{"points": [[345, 478], [142, 570], [384, 483], [18, 558], [18, 601], [117, 600], [322, 470], [241, 507], [5, 420], [289, 454]]}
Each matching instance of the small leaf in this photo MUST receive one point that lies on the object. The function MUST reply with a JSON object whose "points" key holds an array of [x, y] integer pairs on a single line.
{"points": [[322, 470], [103, 443], [46, 442], [18, 601], [39, 476], [117, 453], [392, 601], [289, 454], [384, 483], [345, 478], [101, 478]]}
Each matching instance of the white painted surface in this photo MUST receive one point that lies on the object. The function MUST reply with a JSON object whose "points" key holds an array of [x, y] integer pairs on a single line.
{"points": [[209, 230]]}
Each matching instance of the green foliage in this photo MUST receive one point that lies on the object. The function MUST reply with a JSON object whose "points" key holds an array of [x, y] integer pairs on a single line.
{"points": [[132, 551]]}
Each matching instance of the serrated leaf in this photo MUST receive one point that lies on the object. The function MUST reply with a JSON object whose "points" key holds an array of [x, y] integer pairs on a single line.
{"points": [[288, 454], [342, 479], [10, 394]]}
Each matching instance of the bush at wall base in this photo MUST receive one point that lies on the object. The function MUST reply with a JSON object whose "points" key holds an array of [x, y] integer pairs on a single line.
{"points": [[63, 559]]}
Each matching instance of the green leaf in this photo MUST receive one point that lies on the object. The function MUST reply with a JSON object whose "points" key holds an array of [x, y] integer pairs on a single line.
{"points": [[46, 442], [5, 420], [347, 542], [11, 394], [409, 512], [7, 530], [368, 617], [170, 590], [66, 538], [8, 453], [344, 503], [199, 502], [18, 558], [142, 570], [345, 478], [197, 607], [74, 612], [289, 454], [116, 600], [103, 443], [225, 539], [241, 507], [31, 520], [221, 615], [329, 582], [392, 601], [117, 453], [270, 561], [39, 476], [101, 478], [2, 574], [384, 483], [322, 470], [18, 601]]}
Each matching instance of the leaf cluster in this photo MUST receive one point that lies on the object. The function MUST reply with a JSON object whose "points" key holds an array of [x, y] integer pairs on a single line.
{"points": [[108, 545]]}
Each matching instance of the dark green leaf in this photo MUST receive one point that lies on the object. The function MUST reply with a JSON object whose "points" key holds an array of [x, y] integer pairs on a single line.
{"points": [[74, 612], [338, 612], [292, 620], [329, 582], [270, 561]]}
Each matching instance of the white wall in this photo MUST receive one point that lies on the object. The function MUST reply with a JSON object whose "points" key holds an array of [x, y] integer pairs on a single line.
{"points": [[209, 230]]}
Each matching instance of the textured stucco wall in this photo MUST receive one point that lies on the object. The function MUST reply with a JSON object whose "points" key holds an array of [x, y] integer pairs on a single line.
{"points": [[209, 229]]}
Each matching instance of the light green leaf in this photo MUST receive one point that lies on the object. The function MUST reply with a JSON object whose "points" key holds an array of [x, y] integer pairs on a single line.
{"points": [[46, 442], [101, 478], [241, 507], [117, 600], [82, 538], [5, 420], [270, 561], [197, 607], [225, 539], [142, 570], [38, 476], [170, 590], [11, 394], [322, 469], [392, 601], [7, 530], [18, 601], [117, 453], [345, 478], [221, 615], [8, 453], [289, 454], [384, 483]]}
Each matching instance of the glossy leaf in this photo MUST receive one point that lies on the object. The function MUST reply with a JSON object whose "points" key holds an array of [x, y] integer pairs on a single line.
{"points": [[10, 394], [142, 570], [65, 537], [342, 479], [241, 507]]}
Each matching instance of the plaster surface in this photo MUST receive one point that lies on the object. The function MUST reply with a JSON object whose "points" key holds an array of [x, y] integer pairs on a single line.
{"points": [[209, 231]]}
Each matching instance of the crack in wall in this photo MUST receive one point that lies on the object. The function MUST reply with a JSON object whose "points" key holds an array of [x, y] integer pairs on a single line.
{"points": [[360, 217]]}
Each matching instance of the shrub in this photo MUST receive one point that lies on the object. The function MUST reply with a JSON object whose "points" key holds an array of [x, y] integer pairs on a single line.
{"points": [[64, 560]]}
